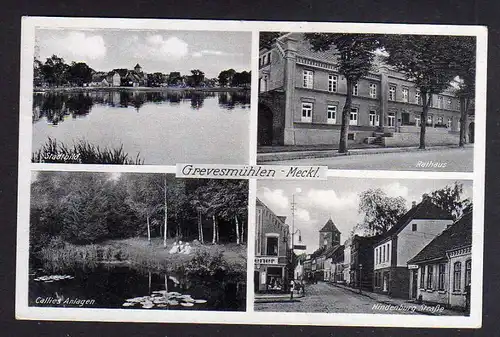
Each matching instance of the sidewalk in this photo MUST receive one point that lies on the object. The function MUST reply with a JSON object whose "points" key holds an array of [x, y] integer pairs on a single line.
{"points": [[267, 298], [385, 299], [324, 151]]}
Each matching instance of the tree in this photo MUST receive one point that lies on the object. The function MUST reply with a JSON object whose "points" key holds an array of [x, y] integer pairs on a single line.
{"points": [[266, 39], [55, 70], [197, 77], [355, 54], [226, 77], [156, 79], [240, 79], [144, 196], [425, 60], [449, 198], [79, 73], [381, 211], [174, 78], [464, 66]]}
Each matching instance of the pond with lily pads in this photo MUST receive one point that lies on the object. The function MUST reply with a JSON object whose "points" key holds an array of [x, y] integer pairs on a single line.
{"points": [[127, 288]]}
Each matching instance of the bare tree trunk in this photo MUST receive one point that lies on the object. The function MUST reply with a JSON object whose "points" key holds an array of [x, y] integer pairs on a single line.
{"points": [[463, 121], [200, 227], [217, 229], [214, 235], [346, 112], [237, 229], [165, 228], [149, 282], [149, 228], [426, 99], [242, 240]]}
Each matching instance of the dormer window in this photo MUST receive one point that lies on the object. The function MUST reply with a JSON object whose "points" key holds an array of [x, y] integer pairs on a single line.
{"points": [[413, 227]]}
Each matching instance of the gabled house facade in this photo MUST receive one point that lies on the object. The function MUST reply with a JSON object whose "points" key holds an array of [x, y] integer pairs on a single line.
{"points": [[414, 230], [442, 269], [272, 251], [302, 95]]}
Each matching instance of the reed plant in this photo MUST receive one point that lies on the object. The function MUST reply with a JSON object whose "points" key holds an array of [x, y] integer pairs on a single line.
{"points": [[82, 152]]}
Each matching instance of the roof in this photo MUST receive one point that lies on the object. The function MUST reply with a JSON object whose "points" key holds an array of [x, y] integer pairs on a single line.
{"points": [[456, 236], [137, 66], [329, 227], [424, 210], [282, 217], [333, 250]]}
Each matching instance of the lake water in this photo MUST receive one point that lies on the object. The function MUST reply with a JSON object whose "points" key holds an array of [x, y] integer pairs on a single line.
{"points": [[111, 287], [164, 128]]}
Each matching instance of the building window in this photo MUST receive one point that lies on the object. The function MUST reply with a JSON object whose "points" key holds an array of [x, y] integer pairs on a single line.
{"points": [[392, 93], [449, 104], [429, 120], [355, 90], [441, 275], [307, 109], [468, 265], [373, 90], [422, 277], [331, 114], [440, 120], [269, 58], [440, 102], [449, 122], [430, 274], [388, 253], [413, 227], [353, 117], [376, 256], [417, 121], [391, 119], [308, 77], [383, 253], [457, 276], [418, 98], [405, 94], [332, 83], [272, 246], [374, 118]]}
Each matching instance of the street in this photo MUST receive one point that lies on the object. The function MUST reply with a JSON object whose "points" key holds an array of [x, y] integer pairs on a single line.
{"points": [[325, 298], [445, 160]]}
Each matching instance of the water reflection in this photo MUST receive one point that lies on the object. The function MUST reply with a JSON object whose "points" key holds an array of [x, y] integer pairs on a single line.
{"points": [[112, 287], [55, 107]]}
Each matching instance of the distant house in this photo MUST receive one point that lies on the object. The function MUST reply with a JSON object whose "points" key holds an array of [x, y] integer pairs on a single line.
{"points": [[337, 258], [99, 80], [115, 77], [414, 230], [347, 261], [361, 269], [443, 267]]}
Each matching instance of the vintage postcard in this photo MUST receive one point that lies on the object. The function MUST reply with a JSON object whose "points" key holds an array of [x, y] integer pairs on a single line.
{"points": [[239, 172]]}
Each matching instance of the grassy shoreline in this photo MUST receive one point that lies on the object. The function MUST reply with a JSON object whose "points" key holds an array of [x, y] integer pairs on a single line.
{"points": [[145, 89], [137, 253]]}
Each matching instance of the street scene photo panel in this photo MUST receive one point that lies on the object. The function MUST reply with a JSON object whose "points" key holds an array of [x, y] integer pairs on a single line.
{"points": [[353, 245], [393, 102]]}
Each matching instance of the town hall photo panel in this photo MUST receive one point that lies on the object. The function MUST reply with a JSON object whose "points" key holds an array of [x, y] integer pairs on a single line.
{"points": [[363, 245], [385, 98]]}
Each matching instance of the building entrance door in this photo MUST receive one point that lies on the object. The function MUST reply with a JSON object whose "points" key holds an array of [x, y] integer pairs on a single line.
{"points": [[414, 274], [386, 282]]}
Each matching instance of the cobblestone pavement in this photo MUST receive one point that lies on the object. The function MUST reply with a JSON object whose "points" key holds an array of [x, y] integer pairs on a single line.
{"points": [[452, 159], [326, 298]]}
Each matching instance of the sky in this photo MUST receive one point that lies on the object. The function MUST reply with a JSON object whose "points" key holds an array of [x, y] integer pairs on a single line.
{"points": [[338, 198], [155, 50]]}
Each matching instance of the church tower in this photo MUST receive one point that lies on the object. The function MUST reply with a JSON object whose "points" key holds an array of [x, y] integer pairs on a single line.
{"points": [[138, 68], [329, 235]]}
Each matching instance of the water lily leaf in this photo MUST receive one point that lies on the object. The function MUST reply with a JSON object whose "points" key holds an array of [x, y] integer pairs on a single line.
{"points": [[187, 304], [200, 301]]}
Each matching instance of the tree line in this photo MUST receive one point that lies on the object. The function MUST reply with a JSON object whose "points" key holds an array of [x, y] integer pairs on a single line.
{"points": [[55, 72], [86, 208], [431, 62]]}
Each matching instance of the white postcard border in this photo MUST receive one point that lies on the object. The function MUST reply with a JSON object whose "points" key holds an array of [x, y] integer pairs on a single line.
{"points": [[23, 311]]}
